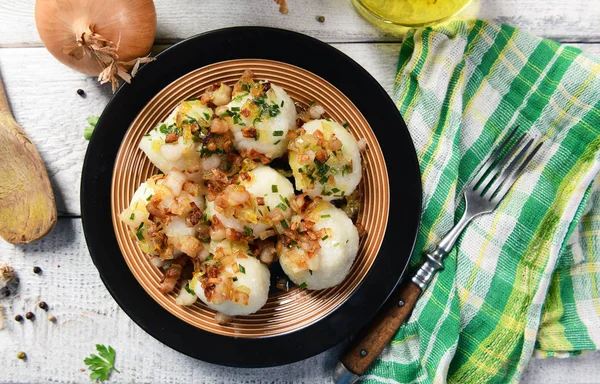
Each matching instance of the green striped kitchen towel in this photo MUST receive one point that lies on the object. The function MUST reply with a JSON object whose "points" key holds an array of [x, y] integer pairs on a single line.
{"points": [[526, 276]]}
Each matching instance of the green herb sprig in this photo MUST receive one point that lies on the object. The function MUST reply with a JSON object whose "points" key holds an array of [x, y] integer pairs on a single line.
{"points": [[101, 366], [87, 131]]}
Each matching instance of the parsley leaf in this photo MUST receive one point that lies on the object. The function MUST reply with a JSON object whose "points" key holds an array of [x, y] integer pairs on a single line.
{"points": [[302, 286], [102, 365], [241, 268]]}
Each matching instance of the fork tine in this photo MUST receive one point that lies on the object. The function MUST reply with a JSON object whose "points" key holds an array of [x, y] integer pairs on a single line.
{"points": [[491, 159], [503, 189], [493, 187], [495, 171]]}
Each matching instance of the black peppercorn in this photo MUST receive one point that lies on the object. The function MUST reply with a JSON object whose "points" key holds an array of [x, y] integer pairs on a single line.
{"points": [[29, 315], [19, 318], [43, 305], [321, 19], [37, 270], [80, 92]]}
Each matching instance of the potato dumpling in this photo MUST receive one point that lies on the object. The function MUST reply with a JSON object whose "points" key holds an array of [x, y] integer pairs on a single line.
{"points": [[326, 261], [165, 216], [231, 281], [325, 160], [175, 142], [252, 207], [261, 114]]}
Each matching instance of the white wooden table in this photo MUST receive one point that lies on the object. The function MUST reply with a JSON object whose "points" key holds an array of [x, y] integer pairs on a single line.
{"points": [[42, 94]]}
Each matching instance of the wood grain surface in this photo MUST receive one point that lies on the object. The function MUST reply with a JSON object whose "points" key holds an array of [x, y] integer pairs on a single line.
{"points": [[568, 21], [42, 95]]}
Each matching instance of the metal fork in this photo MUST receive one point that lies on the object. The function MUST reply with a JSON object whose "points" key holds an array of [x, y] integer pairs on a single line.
{"points": [[482, 195]]}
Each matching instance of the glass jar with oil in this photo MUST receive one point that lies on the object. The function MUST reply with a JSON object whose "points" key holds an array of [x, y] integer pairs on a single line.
{"points": [[396, 15]]}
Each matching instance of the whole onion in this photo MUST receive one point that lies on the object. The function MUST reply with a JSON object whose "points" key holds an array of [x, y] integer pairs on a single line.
{"points": [[98, 37]]}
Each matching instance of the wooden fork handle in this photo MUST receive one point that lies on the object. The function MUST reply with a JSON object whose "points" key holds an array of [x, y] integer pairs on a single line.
{"points": [[372, 339]]}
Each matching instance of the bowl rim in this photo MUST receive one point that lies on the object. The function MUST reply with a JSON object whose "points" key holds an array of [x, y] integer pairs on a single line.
{"points": [[258, 65], [395, 249]]}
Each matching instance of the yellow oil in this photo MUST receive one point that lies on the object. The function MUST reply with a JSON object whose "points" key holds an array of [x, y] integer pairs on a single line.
{"points": [[389, 14]]}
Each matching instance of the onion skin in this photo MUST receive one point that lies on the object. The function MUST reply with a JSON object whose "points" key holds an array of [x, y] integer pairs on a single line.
{"points": [[130, 24]]}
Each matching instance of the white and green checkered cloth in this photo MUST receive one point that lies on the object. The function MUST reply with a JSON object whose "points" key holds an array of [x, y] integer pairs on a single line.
{"points": [[525, 277]]}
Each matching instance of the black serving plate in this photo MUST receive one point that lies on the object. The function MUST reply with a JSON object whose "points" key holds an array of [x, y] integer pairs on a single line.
{"points": [[259, 43]]}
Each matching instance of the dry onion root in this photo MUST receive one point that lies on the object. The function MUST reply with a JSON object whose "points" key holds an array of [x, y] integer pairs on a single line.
{"points": [[105, 38], [283, 8]]}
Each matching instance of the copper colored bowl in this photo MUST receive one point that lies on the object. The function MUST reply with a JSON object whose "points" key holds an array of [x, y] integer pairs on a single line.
{"points": [[286, 311]]}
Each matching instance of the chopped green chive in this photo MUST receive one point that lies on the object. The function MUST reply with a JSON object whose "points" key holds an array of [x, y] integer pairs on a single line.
{"points": [[205, 218], [346, 169], [277, 142], [206, 116], [302, 286], [209, 258], [132, 217], [345, 125], [149, 198], [205, 240], [235, 109], [282, 207], [234, 278], [274, 188], [323, 170], [282, 102], [284, 224], [325, 216], [139, 233], [189, 290], [242, 269], [325, 237], [248, 231], [310, 271], [278, 133], [284, 200], [335, 190]]}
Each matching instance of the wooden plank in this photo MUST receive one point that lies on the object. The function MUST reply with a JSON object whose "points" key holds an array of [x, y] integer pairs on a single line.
{"points": [[571, 21], [42, 94], [87, 315]]}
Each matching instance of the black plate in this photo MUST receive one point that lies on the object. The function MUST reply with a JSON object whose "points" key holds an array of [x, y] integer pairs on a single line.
{"points": [[259, 43]]}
